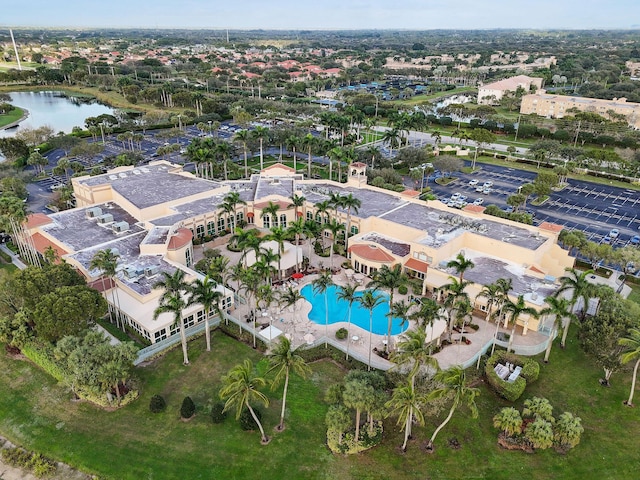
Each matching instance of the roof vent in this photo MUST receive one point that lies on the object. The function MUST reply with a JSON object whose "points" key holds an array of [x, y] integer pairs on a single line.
{"points": [[151, 271], [130, 272]]}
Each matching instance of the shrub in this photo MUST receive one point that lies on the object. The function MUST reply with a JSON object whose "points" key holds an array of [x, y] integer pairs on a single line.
{"points": [[218, 414], [402, 289], [246, 419], [157, 404], [530, 370], [341, 333], [188, 408]]}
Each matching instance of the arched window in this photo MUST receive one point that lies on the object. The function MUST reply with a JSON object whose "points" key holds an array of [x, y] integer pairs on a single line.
{"points": [[283, 220], [309, 215], [200, 231], [266, 221], [211, 228]]}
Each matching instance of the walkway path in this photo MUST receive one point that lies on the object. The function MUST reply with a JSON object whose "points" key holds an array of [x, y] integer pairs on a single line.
{"points": [[14, 258]]}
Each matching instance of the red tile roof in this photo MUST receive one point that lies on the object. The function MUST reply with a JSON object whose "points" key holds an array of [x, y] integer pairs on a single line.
{"points": [[417, 265], [279, 166], [371, 252], [551, 227], [358, 164], [180, 239], [102, 284], [42, 243], [473, 208], [283, 205], [37, 219]]}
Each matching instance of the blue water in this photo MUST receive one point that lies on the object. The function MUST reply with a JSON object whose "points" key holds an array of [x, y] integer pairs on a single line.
{"points": [[339, 311]]}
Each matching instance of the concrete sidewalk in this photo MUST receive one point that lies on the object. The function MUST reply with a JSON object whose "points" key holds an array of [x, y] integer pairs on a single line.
{"points": [[14, 258]]}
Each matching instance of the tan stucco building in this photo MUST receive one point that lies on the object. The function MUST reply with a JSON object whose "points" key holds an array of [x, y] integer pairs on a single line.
{"points": [[150, 215], [492, 93], [556, 106]]}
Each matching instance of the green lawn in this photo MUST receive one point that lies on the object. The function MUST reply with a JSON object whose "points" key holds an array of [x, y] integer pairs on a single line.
{"points": [[132, 443], [10, 117]]}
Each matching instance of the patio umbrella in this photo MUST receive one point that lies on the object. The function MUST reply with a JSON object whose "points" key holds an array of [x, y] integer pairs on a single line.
{"points": [[297, 275], [309, 338]]}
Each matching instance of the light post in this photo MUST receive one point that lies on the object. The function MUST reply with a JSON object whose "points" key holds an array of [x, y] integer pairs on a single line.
{"points": [[210, 127], [102, 131]]}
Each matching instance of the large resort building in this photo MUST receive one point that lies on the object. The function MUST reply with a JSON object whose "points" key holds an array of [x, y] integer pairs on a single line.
{"points": [[149, 216]]}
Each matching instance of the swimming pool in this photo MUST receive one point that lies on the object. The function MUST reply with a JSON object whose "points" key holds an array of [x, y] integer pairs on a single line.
{"points": [[339, 311]]}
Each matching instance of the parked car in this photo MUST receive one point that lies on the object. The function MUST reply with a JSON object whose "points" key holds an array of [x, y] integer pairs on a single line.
{"points": [[455, 196], [508, 209], [606, 239], [635, 240], [488, 184], [479, 188], [614, 233], [487, 190], [473, 182], [478, 201]]}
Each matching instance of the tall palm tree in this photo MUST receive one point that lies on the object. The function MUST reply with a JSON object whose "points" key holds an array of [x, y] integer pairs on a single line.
{"points": [[296, 229], [171, 301], [515, 310], [250, 280], [290, 298], [347, 293], [309, 142], [311, 231], [456, 297], [560, 308], [204, 292], [390, 279], [504, 287], [279, 235], [427, 315], [334, 227], [631, 352], [391, 137], [107, 261], [271, 210], [262, 134], [241, 387], [292, 142], [407, 404], [578, 284], [491, 293], [369, 301], [243, 137], [454, 384], [461, 265], [283, 360], [223, 150], [297, 202], [351, 203], [320, 287], [412, 347]]}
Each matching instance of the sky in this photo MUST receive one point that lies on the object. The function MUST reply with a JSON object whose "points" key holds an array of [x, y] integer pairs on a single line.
{"points": [[324, 14]]}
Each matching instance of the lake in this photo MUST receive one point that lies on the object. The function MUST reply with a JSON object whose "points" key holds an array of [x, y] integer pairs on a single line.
{"points": [[52, 109]]}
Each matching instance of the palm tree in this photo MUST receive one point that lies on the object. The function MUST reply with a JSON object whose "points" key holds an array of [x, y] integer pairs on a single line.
{"points": [[390, 279], [292, 142], [358, 394], [456, 297], [454, 384], [460, 265], [271, 210], [283, 360], [290, 298], [560, 308], [204, 292], [427, 315], [334, 227], [279, 235], [509, 421], [297, 201], [309, 141], [223, 149], [504, 286], [631, 353], [320, 287], [351, 203], [577, 282], [261, 133], [391, 136], [296, 229], [241, 387], [515, 309], [174, 304], [406, 404], [311, 231], [347, 293], [491, 293], [369, 301], [107, 261], [171, 301], [243, 137]]}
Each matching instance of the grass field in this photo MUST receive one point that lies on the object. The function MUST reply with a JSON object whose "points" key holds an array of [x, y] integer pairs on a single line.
{"points": [[10, 117], [132, 443]]}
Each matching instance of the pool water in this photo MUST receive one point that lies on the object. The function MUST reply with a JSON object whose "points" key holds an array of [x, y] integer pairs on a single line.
{"points": [[339, 311]]}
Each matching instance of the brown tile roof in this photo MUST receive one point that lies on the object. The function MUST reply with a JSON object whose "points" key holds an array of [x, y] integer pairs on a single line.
{"points": [[37, 219], [473, 208], [551, 227], [283, 205], [417, 265], [180, 239], [371, 252], [102, 284], [42, 243], [358, 164], [279, 166]]}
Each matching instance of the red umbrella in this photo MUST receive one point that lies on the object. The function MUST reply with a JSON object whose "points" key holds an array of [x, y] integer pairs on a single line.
{"points": [[297, 275]]}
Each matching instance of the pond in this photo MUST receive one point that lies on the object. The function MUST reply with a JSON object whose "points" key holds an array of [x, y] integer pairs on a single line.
{"points": [[55, 110]]}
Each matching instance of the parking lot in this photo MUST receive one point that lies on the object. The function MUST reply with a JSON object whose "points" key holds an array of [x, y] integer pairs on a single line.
{"points": [[593, 208]]}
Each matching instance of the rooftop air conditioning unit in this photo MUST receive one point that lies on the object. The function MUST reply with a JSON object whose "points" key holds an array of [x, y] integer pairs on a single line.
{"points": [[94, 212], [106, 218], [130, 272], [120, 227], [151, 271], [115, 252]]}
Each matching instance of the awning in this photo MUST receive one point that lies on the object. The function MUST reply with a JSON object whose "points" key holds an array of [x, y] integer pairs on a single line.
{"points": [[270, 333], [250, 214], [417, 265]]}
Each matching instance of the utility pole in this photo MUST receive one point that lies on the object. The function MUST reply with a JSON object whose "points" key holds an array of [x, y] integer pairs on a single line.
{"points": [[15, 49]]}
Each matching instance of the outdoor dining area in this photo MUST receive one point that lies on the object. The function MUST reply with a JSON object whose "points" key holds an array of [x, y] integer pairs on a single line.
{"points": [[509, 372]]}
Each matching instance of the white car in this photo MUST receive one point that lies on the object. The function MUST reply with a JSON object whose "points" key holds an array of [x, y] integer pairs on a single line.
{"points": [[479, 188], [473, 183], [614, 233], [478, 201], [487, 190], [455, 196], [488, 184]]}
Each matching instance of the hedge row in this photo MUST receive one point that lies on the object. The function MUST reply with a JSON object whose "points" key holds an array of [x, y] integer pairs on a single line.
{"points": [[511, 390]]}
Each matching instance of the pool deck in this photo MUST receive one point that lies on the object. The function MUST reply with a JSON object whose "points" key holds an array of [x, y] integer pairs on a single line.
{"points": [[295, 324]]}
